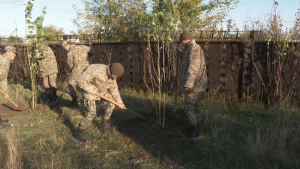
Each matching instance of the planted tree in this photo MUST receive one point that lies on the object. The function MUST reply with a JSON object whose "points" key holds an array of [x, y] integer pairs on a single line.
{"points": [[37, 38]]}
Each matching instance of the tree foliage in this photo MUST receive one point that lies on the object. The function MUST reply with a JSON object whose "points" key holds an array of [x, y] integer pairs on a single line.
{"points": [[123, 18], [111, 17], [50, 33], [52, 30], [35, 27], [195, 14], [37, 38], [14, 39]]}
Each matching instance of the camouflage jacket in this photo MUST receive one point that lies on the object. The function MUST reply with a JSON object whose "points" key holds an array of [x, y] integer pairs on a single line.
{"points": [[97, 78], [78, 58], [193, 68], [5, 61], [47, 62]]}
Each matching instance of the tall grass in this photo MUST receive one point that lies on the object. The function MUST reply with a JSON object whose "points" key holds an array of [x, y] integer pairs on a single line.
{"points": [[14, 154], [262, 138], [277, 144]]}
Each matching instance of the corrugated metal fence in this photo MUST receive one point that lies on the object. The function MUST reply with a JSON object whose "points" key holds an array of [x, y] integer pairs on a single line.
{"points": [[228, 68]]}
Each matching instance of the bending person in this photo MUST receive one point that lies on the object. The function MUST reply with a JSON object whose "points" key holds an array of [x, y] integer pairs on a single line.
{"points": [[99, 79]]}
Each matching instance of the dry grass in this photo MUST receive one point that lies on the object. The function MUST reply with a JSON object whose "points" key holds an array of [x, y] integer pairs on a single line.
{"points": [[14, 154], [276, 145], [234, 135]]}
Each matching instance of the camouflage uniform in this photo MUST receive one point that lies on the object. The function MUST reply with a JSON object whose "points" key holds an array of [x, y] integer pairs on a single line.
{"points": [[193, 77], [97, 78], [5, 61], [48, 68], [78, 60]]}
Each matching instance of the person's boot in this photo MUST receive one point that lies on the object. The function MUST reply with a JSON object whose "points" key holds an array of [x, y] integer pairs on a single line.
{"points": [[106, 126], [80, 136], [3, 122], [54, 94], [191, 132], [74, 101], [49, 98]]}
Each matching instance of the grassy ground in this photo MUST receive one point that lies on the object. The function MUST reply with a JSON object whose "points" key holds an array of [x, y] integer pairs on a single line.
{"points": [[233, 135]]}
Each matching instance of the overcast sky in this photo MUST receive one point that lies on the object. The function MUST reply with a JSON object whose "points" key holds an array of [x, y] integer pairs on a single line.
{"points": [[60, 13]]}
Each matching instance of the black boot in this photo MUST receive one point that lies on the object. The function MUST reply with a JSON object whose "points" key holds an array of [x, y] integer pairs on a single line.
{"points": [[74, 101], [106, 126], [191, 132], [54, 94], [3, 122], [80, 136], [49, 98]]}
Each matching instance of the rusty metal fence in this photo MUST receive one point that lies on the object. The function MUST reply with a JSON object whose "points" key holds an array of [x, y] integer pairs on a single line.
{"points": [[229, 72]]}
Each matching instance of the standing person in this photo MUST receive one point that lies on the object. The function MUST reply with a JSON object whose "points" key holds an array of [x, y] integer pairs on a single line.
{"points": [[193, 79], [99, 79], [48, 68], [5, 60], [78, 60]]}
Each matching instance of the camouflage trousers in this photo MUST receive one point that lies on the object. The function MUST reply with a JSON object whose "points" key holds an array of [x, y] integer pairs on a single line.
{"points": [[72, 83], [92, 110], [192, 106], [3, 86], [72, 89], [49, 82]]}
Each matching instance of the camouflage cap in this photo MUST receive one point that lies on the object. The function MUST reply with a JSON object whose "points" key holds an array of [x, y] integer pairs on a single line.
{"points": [[10, 48], [65, 43], [117, 69]]}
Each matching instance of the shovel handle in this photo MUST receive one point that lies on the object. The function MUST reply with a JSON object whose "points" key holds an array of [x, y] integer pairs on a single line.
{"points": [[115, 103], [109, 100], [144, 118], [61, 95], [13, 102], [9, 99]]}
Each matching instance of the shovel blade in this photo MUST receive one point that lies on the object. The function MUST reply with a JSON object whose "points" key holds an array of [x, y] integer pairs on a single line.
{"points": [[18, 109]]}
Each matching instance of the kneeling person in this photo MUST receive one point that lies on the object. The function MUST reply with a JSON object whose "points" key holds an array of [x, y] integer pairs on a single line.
{"points": [[96, 80]]}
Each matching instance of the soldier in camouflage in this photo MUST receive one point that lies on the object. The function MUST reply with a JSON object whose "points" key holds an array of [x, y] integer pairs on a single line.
{"points": [[48, 68], [99, 79], [5, 60], [78, 60], [193, 78]]}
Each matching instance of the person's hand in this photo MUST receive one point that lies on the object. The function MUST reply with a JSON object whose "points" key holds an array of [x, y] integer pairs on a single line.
{"points": [[186, 89], [6, 96], [179, 48], [123, 107], [29, 56]]}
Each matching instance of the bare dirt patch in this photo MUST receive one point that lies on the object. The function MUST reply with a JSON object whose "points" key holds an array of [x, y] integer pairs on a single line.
{"points": [[7, 111]]}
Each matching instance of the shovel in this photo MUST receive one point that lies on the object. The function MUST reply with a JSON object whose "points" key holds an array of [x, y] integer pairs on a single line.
{"points": [[61, 95], [115, 103], [17, 107]]}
